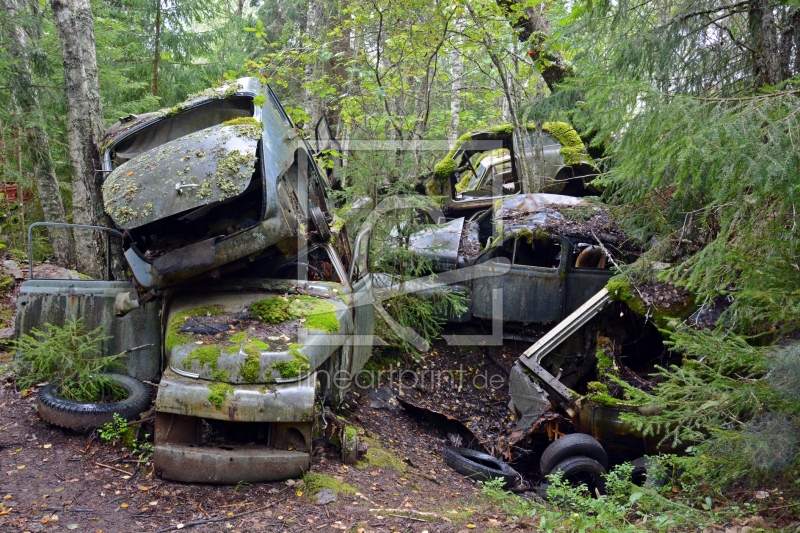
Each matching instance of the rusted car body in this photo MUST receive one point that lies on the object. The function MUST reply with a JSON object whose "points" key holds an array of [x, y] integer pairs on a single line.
{"points": [[467, 177], [221, 208], [524, 252]]}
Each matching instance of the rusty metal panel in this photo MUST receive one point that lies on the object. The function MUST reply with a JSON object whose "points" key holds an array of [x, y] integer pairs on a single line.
{"points": [[287, 436], [201, 168], [316, 346], [55, 302], [439, 243], [530, 294], [582, 284], [177, 429], [207, 464], [278, 402]]}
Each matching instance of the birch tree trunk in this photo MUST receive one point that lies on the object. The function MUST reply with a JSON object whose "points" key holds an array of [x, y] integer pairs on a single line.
{"points": [[73, 21], [27, 98], [313, 28], [457, 84]]}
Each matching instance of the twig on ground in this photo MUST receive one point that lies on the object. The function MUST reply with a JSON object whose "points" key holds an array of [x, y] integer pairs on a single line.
{"points": [[410, 511], [406, 517], [114, 468], [184, 525]]}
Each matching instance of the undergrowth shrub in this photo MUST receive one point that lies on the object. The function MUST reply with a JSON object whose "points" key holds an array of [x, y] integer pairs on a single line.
{"points": [[70, 355], [732, 404]]}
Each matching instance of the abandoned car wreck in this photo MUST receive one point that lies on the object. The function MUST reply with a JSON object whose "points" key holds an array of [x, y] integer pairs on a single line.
{"points": [[247, 299]]}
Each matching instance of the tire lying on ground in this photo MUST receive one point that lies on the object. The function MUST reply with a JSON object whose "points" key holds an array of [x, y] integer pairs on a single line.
{"points": [[572, 445], [60, 411], [479, 465], [579, 469]]}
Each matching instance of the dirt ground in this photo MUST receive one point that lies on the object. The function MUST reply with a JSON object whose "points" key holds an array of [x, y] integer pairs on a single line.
{"points": [[58, 480]]}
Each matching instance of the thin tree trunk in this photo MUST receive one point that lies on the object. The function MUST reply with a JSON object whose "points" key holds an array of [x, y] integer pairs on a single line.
{"points": [[457, 83], [157, 54], [27, 97], [84, 126], [313, 69]]}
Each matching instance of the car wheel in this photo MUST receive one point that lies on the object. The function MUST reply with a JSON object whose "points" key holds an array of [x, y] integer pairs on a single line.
{"points": [[581, 470], [568, 446], [320, 224], [479, 465], [60, 411]]}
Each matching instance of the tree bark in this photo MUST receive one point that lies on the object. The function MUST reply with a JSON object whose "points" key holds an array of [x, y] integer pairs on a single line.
{"points": [[313, 69], [27, 97], [457, 83], [73, 21], [534, 29], [157, 54]]}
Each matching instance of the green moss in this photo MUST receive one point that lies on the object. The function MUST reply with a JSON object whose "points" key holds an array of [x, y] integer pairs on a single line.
{"points": [[272, 310], [6, 282], [259, 100], [246, 127], [258, 344], [443, 169], [174, 336], [238, 337], [315, 483], [232, 350], [204, 190], [531, 236], [251, 366], [205, 355], [377, 457], [219, 391], [235, 164], [572, 149], [220, 375], [595, 387], [297, 365], [620, 289], [503, 129], [319, 313]]}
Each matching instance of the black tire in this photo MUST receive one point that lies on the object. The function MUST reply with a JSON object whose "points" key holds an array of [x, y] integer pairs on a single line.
{"points": [[580, 469], [647, 472], [479, 465], [66, 413], [571, 445], [320, 224]]}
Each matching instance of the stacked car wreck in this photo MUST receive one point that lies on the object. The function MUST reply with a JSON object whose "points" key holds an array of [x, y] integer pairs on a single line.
{"points": [[249, 301]]}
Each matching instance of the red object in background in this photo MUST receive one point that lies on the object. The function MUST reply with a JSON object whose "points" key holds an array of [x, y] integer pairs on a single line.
{"points": [[9, 193]]}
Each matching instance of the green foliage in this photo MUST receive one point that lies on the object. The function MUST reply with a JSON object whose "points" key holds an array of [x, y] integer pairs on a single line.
{"points": [[271, 310], [115, 430], [729, 400], [70, 355], [624, 508]]}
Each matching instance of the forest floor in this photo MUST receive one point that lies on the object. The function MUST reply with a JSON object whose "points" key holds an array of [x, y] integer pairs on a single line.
{"points": [[55, 479]]}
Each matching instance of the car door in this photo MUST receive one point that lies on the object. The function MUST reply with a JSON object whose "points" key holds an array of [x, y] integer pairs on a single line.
{"points": [[532, 289], [363, 308]]}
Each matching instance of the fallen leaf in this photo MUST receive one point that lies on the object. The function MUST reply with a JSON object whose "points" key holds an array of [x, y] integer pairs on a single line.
{"points": [[470, 526], [143, 488], [124, 505], [20, 467], [59, 489], [7, 497], [153, 503], [129, 174], [72, 526], [47, 446]]}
